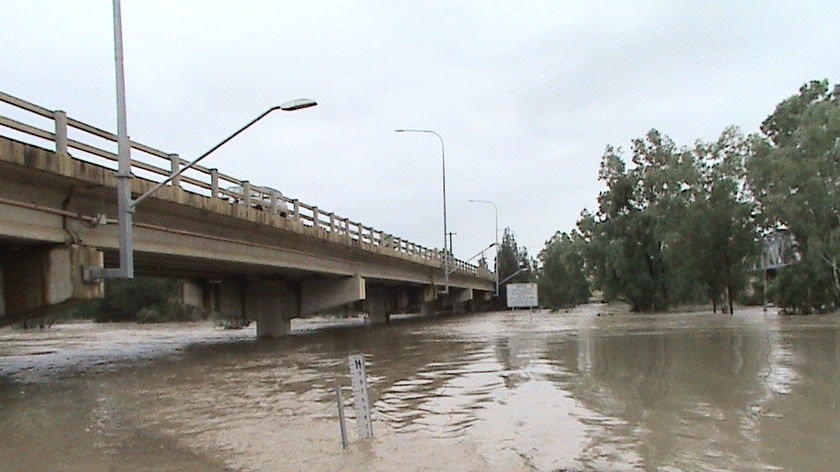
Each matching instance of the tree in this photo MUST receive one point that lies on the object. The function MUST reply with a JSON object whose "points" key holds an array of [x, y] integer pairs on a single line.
{"points": [[794, 173], [635, 214], [675, 225], [514, 262], [716, 237], [562, 277]]}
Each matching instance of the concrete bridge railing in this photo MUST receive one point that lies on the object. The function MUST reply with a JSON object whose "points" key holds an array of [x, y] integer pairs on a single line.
{"points": [[92, 144]]}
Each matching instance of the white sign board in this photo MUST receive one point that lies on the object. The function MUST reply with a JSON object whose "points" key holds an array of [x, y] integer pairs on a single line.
{"points": [[522, 295], [358, 377]]}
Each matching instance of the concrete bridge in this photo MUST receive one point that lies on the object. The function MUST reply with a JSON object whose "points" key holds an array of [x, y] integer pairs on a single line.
{"points": [[242, 250]]}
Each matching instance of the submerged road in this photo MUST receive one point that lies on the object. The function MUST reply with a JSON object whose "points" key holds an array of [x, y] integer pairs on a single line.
{"points": [[491, 391]]}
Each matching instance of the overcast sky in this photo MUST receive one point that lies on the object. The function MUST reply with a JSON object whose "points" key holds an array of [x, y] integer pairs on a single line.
{"points": [[526, 94]]}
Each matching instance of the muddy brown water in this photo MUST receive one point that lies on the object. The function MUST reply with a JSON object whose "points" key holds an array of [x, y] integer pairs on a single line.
{"points": [[495, 391]]}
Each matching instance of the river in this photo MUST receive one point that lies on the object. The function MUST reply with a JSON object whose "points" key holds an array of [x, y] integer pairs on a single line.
{"points": [[589, 389]]}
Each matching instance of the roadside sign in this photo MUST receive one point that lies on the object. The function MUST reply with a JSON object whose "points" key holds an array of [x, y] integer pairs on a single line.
{"points": [[522, 295]]}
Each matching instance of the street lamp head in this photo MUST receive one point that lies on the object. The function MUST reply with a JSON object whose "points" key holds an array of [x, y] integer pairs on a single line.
{"points": [[298, 104]]}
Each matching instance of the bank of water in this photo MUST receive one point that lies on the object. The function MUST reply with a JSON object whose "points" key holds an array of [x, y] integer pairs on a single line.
{"points": [[588, 389]]}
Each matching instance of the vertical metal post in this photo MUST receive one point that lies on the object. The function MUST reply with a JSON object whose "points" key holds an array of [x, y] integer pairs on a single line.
{"points": [[60, 131], [340, 400], [764, 273], [125, 212], [447, 254]]}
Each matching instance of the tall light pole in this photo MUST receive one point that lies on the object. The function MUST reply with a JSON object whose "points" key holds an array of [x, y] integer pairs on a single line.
{"points": [[496, 212], [124, 216], [125, 204], [446, 255]]}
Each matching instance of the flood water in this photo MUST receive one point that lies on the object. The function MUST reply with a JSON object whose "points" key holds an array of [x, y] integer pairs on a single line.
{"points": [[589, 389]]}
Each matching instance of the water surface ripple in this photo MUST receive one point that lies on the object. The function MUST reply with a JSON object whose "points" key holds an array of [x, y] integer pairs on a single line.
{"points": [[589, 389]]}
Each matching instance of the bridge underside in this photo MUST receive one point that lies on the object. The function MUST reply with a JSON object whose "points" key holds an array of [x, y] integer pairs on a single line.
{"points": [[236, 260]]}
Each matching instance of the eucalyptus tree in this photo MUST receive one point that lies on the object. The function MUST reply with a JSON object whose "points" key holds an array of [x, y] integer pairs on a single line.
{"points": [[561, 276], [716, 237], [637, 214], [794, 173]]}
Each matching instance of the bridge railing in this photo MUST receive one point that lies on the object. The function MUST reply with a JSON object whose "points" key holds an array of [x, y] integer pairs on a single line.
{"points": [[98, 146]]}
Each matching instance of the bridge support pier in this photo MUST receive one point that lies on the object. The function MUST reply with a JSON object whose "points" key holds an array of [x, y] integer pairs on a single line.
{"points": [[460, 298], [428, 300], [268, 302], [427, 308], [40, 280], [376, 305]]}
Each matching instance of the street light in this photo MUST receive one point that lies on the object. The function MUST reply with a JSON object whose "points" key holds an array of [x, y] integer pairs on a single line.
{"points": [[125, 204], [446, 251], [496, 212]]}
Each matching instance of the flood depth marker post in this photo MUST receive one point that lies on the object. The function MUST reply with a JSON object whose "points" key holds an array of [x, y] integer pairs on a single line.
{"points": [[340, 400], [358, 378]]}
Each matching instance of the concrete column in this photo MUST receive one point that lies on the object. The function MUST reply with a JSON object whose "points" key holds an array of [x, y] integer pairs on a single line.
{"points": [[428, 300], [403, 298], [214, 183], [192, 294], [376, 302], [246, 193], [427, 308], [175, 167], [60, 131], [38, 281], [267, 302], [231, 300]]}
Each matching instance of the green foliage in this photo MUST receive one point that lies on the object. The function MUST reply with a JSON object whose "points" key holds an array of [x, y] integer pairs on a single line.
{"points": [[716, 234], [803, 288], [144, 300], [674, 225], [794, 174], [627, 236], [513, 260], [562, 279]]}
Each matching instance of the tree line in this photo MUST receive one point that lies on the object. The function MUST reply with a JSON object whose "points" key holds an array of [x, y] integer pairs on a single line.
{"points": [[686, 224]]}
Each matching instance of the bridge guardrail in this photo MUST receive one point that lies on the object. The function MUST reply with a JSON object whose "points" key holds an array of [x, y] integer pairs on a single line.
{"points": [[68, 133]]}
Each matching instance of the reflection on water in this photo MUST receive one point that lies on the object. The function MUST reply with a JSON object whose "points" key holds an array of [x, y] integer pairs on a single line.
{"points": [[499, 391]]}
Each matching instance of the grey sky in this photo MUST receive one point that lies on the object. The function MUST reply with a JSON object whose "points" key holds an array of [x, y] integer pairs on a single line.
{"points": [[525, 94]]}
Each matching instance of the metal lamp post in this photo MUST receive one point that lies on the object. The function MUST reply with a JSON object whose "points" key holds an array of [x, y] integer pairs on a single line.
{"points": [[446, 250], [496, 212], [125, 204]]}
